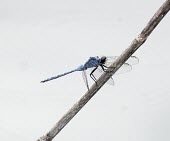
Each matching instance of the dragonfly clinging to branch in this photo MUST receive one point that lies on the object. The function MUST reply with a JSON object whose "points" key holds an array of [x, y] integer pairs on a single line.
{"points": [[98, 65]]}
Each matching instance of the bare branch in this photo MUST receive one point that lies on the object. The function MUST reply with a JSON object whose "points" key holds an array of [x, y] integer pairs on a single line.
{"points": [[136, 43]]}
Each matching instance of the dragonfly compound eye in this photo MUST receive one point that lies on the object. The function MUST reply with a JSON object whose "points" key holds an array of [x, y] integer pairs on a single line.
{"points": [[103, 59]]}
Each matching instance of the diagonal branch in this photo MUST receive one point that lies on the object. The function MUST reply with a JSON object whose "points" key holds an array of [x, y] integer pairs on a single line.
{"points": [[136, 43]]}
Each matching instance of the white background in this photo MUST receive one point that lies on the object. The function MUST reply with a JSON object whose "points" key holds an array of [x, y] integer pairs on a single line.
{"points": [[40, 39]]}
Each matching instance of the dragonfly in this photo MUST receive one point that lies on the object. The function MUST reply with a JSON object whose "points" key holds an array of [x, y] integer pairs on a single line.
{"points": [[96, 66]]}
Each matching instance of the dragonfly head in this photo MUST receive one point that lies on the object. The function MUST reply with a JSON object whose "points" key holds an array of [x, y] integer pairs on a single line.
{"points": [[102, 59]]}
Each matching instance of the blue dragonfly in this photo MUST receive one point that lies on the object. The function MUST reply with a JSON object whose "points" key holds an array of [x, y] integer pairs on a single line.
{"points": [[96, 66]]}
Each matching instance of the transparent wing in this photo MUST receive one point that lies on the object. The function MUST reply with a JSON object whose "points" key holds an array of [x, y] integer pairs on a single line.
{"points": [[123, 69], [133, 60], [111, 81], [98, 72], [126, 67], [85, 78]]}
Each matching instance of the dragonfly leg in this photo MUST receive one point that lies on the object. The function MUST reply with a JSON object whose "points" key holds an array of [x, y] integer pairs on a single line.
{"points": [[103, 68], [107, 66], [92, 76]]}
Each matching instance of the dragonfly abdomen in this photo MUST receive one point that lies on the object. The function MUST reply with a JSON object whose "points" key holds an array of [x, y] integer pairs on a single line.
{"points": [[60, 75]]}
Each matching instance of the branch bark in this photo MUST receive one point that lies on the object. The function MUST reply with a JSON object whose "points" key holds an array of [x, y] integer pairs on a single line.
{"points": [[136, 43]]}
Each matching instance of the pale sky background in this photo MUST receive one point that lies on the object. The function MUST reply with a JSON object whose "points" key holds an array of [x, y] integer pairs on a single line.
{"points": [[40, 38]]}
